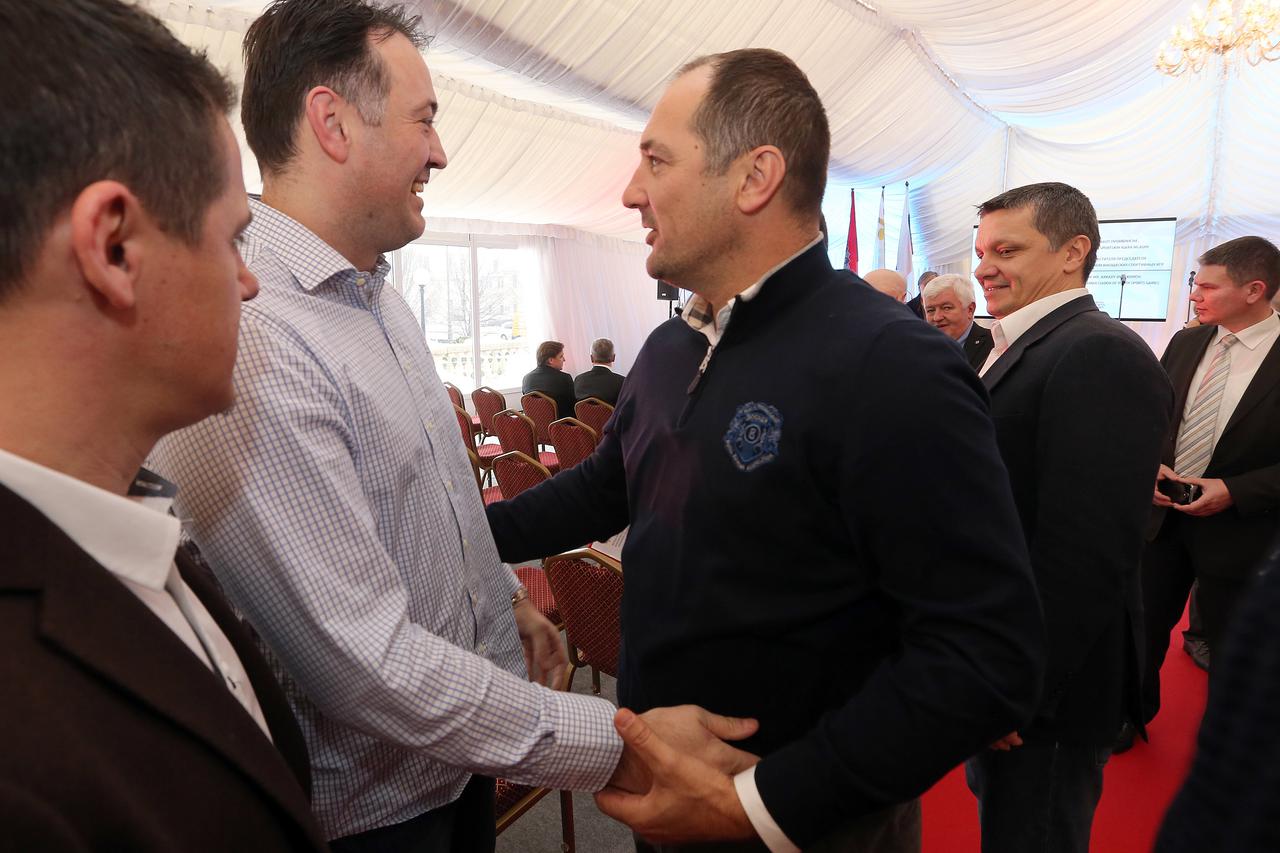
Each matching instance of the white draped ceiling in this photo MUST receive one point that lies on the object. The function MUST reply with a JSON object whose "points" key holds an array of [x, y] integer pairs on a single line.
{"points": [[542, 101]]}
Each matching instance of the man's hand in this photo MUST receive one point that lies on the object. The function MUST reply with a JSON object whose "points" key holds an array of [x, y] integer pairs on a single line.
{"points": [[692, 731], [1213, 500], [688, 801], [544, 654], [1159, 498], [1007, 742]]}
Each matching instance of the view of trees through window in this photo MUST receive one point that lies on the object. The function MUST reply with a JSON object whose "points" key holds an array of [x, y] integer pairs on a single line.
{"points": [[475, 306]]}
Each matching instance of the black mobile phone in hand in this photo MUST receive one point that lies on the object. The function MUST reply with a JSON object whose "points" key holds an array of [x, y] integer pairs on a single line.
{"points": [[1180, 493]]}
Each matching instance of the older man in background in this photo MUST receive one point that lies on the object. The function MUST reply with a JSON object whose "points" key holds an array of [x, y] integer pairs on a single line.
{"points": [[949, 307]]}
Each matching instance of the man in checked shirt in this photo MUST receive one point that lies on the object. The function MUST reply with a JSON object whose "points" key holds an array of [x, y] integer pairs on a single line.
{"points": [[335, 502]]}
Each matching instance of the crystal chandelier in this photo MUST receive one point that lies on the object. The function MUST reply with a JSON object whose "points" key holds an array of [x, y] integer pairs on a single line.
{"points": [[1227, 30]]}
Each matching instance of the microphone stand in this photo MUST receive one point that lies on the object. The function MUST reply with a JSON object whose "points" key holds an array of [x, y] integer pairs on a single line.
{"points": [[1120, 307], [1191, 284]]}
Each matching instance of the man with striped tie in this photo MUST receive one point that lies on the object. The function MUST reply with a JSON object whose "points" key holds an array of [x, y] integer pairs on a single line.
{"points": [[1223, 450]]}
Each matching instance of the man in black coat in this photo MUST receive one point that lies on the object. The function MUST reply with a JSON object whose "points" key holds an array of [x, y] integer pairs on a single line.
{"points": [[138, 714], [549, 378], [949, 307], [1081, 407], [1225, 442], [600, 381]]}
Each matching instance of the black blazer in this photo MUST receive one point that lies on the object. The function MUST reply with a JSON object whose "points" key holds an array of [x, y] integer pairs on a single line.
{"points": [[977, 345], [556, 384], [599, 382], [1081, 408], [1246, 458], [116, 736]]}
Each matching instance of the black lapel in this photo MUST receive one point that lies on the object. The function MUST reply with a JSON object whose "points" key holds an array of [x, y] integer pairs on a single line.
{"points": [[1032, 336], [1264, 382], [90, 616]]}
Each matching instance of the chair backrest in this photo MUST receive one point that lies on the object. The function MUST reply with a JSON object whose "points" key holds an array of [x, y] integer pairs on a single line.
{"points": [[541, 409], [517, 471], [488, 403], [455, 394], [475, 469], [573, 441], [593, 412], [588, 591], [515, 432], [464, 424]]}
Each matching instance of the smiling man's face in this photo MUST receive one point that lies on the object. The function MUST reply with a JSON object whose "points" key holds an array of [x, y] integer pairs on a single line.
{"points": [[1017, 265]]}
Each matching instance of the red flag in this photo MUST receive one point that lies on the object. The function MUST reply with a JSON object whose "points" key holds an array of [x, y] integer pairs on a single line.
{"points": [[851, 242]]}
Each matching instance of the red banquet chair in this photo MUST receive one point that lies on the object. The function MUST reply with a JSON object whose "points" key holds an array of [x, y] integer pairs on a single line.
{"points": [[488, 403], [588, 590], [488, 494], [484, 453], [573, 441], [541, 409], [512, 800], [516, 472], [595, 413], [515, 431], [455, 397]]}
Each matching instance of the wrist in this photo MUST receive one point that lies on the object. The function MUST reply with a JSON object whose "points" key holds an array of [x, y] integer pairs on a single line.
{"points": [[521, 594]]}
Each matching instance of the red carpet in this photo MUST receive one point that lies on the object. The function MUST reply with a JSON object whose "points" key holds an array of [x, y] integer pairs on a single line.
{"points": [[1138, 788]]}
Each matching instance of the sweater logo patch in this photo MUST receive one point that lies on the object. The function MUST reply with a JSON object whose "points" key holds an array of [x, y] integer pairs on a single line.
{"points": [[752, 439]]}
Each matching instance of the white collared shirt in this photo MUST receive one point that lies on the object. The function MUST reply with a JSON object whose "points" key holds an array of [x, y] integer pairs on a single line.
{"points": [[1015, 325], [1251, 348], [135, 541]]}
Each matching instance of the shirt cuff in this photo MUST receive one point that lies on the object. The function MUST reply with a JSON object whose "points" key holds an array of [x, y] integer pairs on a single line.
{"points": [[513, 582], [769, 831], [587, 746]]}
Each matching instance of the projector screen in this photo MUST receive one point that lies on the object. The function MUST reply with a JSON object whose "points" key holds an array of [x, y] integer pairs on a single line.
{"points": [[1140, 250]]}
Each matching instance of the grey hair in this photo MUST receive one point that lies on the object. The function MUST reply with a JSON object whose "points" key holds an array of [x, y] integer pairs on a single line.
{"points": [[951, 281]]}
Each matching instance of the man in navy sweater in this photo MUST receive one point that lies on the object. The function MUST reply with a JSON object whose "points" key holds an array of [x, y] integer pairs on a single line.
{"points": [[765, 454]]}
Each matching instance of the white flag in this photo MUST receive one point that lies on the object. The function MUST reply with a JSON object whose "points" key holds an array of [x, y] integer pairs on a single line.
{"points": [[904, 241], [877, 261]]}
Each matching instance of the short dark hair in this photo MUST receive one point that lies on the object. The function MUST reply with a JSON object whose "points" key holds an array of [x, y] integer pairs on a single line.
{"points": [[1060, 212], [760, 97], [602, 351], [95, 90], [297, 45], [548, 350], [1248, 259]]}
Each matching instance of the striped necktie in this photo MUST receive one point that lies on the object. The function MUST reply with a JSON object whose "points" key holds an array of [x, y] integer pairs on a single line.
{"points": [[1196, 435]]}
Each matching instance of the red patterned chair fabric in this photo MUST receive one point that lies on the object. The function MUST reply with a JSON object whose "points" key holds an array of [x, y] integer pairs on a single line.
{"points": [[515, 432], [488, 403], [541, 409], [535, 581], [484, 453], [517, 471], [588, 590], [595, 413], [573, 441], [455, 397]]}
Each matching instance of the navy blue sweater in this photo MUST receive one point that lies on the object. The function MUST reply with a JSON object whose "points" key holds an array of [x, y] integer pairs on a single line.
{"points": [[822, 537]]}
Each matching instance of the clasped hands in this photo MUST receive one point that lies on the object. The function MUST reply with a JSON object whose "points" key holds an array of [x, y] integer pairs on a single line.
{"points": [[1214, 497], [674, 782]]}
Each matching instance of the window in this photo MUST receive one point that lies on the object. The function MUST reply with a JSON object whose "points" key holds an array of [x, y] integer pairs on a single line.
{"points": [[478, 305]]}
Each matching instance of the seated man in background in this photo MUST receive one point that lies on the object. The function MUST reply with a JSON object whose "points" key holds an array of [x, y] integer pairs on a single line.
{"points": [[600, 381], [889, 283], [550, 378], [137, 713], [774, 565], [949, 307]]}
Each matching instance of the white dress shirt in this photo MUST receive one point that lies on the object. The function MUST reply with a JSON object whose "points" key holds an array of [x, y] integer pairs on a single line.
{"points": [[1246, 357], [1015, 325], [135, 541]]}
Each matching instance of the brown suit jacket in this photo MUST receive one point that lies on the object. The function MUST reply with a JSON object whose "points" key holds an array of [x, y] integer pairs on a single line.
{"points": [[117, 736]]}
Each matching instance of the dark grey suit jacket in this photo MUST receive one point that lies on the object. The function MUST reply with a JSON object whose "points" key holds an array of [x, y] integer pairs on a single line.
{"points": [[599, 382], [1081, 408], [977, 345], [117, 736], [1246, 458]]}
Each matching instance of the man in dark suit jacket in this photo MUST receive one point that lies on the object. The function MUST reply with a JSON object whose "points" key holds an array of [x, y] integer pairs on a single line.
{"points": [[549, 378], [916, 303], [1233, 456], [767, 536], [138, 714], [600, 381], [1081, 408], [949, 307]]}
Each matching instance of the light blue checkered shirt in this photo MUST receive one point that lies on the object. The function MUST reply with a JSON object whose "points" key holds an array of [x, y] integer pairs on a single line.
{"points": [[337, 506]]}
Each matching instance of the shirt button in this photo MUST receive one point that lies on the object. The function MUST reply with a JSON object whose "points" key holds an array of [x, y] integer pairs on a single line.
{"points": [[360, 281], [481, 649]]}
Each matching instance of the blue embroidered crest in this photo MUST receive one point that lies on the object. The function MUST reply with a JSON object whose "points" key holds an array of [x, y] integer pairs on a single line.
{"points": [[752, 439]]}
